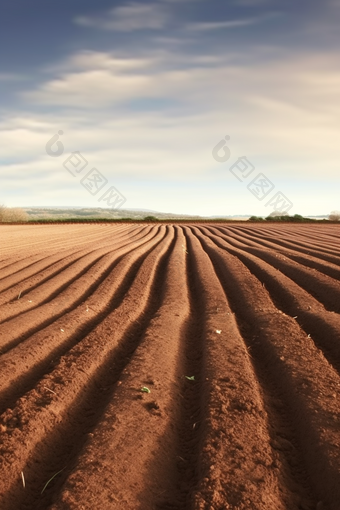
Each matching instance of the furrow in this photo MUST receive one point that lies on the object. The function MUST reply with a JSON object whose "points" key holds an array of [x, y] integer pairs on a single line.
{"points": [[321, 237], [73, 291], [26, 241], [68, 242], [324, 289], [235, 337], [39, 290], [22, 366], [330, 256], [59, 236], [315, 232], [310, 385], [27, 263], [323, 326], [238, 241], [321, 232], [14, 264], [31, 276], [52, 436], [238, 469], [144, 423]]}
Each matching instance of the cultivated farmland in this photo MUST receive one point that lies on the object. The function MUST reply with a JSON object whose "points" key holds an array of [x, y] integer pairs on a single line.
{"points": [[170, 367]]}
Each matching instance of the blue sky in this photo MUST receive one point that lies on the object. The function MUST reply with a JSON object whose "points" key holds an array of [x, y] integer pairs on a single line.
{"points": [[145, 90]]}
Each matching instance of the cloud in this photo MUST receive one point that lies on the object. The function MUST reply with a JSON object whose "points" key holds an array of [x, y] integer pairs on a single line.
{"points": [[100, 80], [216, 25], [279, 110], [94, 60], [90, 89], [128, 18], [282, 113]]}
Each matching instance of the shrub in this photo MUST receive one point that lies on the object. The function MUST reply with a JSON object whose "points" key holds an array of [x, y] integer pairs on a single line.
{"points": [[150, 218], [279, 218], [334, 216], [255, 218], [12, 214]]}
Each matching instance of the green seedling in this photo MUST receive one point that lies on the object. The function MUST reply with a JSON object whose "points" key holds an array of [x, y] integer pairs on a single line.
{"points": [[145, 389], [50, 480], [192, 378]]}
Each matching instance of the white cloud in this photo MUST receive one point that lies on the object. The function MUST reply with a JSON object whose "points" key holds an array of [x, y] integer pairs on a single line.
{"points": [[215, 25], [101, 81], [91, 60], [127, 18], [90, 89], [272, 112], [282, 114]]}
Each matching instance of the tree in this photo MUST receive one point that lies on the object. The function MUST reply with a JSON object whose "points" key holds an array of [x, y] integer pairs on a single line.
{"points": [[2, 212], [150, 218], [12, 214], [255, 218], [334, 216], [278, 216]]}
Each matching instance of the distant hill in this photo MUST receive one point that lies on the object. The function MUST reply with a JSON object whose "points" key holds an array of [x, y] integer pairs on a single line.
{"points": [[64, 213], [46, 213]]}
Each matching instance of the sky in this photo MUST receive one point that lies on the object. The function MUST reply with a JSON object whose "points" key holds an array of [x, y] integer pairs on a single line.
{"points": [[204, 107]]}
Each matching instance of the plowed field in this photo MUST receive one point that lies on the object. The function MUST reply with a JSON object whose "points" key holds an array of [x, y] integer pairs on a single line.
{"points": [[163, 367]]}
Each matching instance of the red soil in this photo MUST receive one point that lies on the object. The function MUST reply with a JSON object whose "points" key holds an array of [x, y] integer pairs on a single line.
{"points": [[232, 331]]}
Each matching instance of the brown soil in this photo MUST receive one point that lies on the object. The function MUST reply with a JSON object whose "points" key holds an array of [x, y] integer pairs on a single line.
{"points": [[170, 367]]}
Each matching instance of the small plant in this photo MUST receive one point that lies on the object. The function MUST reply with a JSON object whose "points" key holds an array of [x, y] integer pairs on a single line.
{"points": [[192, 378], [145, 389], [50, 480]]}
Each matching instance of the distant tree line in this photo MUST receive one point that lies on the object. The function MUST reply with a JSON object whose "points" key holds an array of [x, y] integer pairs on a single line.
{"points": [[17, 215], [277, 216]]}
